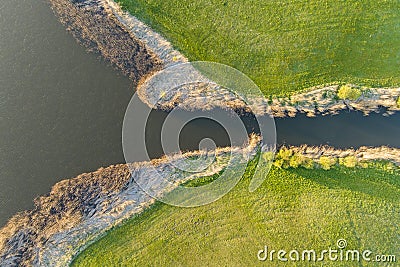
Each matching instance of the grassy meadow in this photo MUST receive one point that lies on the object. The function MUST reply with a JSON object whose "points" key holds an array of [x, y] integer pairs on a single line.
{"points": [[285, 46], [294, 209]]}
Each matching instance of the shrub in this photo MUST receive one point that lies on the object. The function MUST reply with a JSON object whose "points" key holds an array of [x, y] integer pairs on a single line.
{"points": [[287, 158], [349, 161], [296, 160], [283, 157], [308, 163], [348, 92], [327, 162], [284, 153], [279, 163], [398, 102], [364, 164]]}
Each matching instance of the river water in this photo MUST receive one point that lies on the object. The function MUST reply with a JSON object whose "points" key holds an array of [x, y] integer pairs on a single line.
{"points": [[61, 111]]}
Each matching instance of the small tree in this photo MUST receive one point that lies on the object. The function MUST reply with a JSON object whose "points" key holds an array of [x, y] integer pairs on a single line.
{"points": [[279, 163], [364, 164], [283, 157], [348, 92], [296, 160], [327, 162], [349, 161], [308, 163], [284, 153]]}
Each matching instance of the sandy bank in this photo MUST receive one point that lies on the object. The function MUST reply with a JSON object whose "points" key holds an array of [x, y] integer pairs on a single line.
{"points": [[78, 211], [318, 101]]}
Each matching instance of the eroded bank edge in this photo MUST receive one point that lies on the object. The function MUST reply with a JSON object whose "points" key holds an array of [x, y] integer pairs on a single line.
{"points": [[78, 211]]}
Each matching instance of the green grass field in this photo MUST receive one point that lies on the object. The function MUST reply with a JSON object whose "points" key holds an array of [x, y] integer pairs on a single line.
{"points": [[294, 209], [285, 46]]}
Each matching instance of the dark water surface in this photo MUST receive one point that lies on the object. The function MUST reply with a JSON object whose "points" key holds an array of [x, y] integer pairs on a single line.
{"points": [[61, 111], [61, 108], [346, 130]]}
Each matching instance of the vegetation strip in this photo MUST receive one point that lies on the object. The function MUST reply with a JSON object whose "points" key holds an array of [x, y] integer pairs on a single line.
{"points": [[326, 157], [323, 101]]}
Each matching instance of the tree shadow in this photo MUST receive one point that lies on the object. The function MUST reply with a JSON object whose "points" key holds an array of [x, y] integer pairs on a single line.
{"points": [[375, 182]]}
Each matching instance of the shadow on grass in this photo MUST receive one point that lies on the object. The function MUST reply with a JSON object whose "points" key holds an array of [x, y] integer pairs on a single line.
{"points": [[376, 182]]}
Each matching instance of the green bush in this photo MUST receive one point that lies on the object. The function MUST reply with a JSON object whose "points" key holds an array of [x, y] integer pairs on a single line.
{"points": [[296, 160], [349, 161], [283, 158], [284, 153], [279, 163], [327, 162], [398, 102], [287, 158], [363, 164], [308, 163], [348, 92]]}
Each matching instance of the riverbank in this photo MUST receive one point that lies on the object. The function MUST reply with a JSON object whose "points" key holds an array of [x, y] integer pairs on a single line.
{"points": [[325, 157], [315, 208], [313, 102], [139, 52], [284, 47], [93, 25], [320, 100], [80, 210]]}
